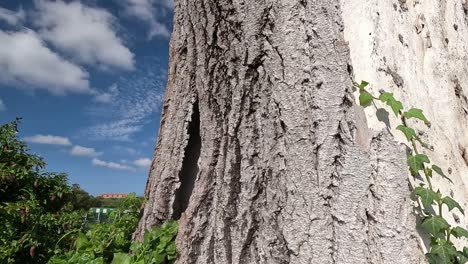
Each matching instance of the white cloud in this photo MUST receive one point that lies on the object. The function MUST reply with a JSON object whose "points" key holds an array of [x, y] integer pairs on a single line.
{"points": [[118, 130], [146, 10], [140, 96], [24, 59], [108, 96], [84, 152], [110, 165], [48, 140], [143, 163], [11, 17], [168, 3], [2, 105], [85, 33]]}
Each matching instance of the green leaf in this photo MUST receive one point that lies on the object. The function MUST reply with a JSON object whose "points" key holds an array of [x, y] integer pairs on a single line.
{"points": [[365, 98], [121, 258], [388, 98], [361, 86], [432, 258], [409, 132], [462, 258], [83, 244], [435, 224], [451, 204], [459, 232], [440, 172], [416, 113], [445, 251], [427, 196], [416, 162]]}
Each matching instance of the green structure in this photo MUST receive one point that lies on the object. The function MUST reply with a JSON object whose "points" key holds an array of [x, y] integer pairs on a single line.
{"points": [[98, 214]]}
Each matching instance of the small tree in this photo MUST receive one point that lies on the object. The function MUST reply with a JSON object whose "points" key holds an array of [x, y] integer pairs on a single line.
{"points": [[33, 209]]}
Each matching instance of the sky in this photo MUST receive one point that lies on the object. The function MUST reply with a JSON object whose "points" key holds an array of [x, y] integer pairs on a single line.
{"points": [[88, 79]]}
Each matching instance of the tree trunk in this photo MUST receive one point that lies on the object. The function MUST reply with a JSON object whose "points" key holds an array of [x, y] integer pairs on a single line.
{"points": [[262, 154]]}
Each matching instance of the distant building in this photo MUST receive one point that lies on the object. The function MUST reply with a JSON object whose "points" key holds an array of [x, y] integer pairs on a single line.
{"points": [[113, 195]]}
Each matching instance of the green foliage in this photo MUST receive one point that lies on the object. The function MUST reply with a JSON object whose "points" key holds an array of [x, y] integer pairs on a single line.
{"points": [[111, 242], [459, 232], [426, 195], [451, 204], [409, 132], [42, 216], [79, 199], [443, 252], [435, 225], [365, 98], [33, 209], [416, 162], [442, 249], [416, 113], [103, 239], [388, 98], [439, 171], [157, 247]]}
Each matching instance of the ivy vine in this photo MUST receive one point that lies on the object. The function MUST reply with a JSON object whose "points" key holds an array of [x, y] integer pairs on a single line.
{"points": [[442, 250]]}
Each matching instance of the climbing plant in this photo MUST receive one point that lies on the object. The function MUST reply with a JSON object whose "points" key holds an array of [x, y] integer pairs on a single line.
{"points": [[428, 196]]}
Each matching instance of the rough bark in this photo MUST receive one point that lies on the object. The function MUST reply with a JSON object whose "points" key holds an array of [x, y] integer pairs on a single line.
{"points": [[419, 51], [286, 171]]}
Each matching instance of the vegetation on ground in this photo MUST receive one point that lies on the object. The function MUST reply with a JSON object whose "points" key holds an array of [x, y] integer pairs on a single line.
{"points": [[42, 216]]}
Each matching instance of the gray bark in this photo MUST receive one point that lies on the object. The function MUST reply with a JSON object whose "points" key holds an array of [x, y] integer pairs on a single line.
{"points": [[262, 154]]}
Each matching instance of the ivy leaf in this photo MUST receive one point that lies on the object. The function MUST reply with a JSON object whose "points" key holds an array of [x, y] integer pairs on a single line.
{"points": [[459, 232], [435, 224], [365, 98], [416, 113], [416, 162], [409, 132], [440, 172], [388, 98], [462, 258], [427, 196], [445, 251], [451, 204], [428, 172], [363, 85]]}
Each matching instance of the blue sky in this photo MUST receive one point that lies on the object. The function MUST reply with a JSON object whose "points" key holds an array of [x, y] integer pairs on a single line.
{"points": [[88, 79]]}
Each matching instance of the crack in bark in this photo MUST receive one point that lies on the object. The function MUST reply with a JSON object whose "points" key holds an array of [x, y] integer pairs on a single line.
{"points": [[280, 168]]}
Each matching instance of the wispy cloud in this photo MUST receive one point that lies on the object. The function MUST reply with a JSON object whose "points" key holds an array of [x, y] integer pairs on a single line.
{"points": [[142, 163], [108, 96], [86, 33], [168, 3], [26, 60], [146, 11], [111, 165], [84, 151], [127, 150], [48, 140], [139, 97], [11, 17]]}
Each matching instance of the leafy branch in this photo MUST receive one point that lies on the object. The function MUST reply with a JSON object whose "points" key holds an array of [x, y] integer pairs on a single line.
{"points": [[442, 249]]}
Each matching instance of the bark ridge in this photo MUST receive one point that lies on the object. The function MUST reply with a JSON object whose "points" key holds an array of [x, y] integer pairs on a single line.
{"points": [[287, 171]]}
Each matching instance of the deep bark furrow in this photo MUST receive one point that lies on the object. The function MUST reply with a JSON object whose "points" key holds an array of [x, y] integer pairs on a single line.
{"points": [[281, 177]]}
